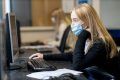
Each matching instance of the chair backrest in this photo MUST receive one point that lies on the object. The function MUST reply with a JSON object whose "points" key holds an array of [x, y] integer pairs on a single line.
{"points": [[63, 40]]}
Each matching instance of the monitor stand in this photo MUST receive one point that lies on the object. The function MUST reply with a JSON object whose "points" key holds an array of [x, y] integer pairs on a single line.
{"points": [[18, 64], [14, 66]]}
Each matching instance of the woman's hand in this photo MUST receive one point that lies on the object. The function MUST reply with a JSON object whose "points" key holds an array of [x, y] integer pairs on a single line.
{"points": [[36, 56]]}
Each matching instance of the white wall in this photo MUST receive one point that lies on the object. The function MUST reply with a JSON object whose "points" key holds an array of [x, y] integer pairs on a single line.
{"points": [[31, 34], [110, 13], [96, 5]]}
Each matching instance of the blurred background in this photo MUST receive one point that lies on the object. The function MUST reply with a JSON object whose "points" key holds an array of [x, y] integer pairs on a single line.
{"points": [[40, 18]]}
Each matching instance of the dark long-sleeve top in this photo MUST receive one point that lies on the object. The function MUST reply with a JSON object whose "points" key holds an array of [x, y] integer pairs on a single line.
{"points": [[95, 56]]}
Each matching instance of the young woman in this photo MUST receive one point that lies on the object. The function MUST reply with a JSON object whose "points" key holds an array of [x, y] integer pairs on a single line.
{"points": [[94, 46], [61, 22]]}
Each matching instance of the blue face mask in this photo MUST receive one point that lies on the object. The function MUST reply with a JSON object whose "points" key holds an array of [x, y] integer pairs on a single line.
{"points": [[76, 28]]}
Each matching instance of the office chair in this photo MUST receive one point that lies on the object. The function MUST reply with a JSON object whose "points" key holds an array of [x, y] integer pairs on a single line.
{"points": [[99, 74], [64, 39], [94, 73]]}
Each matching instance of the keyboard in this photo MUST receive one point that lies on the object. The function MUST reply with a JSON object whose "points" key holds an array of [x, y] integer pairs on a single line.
{"points": [[45, 50], [39, 65]]}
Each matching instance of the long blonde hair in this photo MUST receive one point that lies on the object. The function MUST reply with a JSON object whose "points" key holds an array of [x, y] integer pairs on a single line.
{"points": [[87, 14], [61, 15]]}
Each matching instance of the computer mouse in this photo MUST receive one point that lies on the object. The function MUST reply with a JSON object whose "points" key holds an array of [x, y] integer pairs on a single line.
{"points": [[67, 76]]}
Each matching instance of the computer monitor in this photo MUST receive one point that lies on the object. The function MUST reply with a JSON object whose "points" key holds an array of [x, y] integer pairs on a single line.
{"points": [[3, 60], [12, 48]]}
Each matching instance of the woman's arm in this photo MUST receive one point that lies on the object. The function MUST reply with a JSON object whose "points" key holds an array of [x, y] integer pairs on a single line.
{"points": [[94, 55], [59, 57]]}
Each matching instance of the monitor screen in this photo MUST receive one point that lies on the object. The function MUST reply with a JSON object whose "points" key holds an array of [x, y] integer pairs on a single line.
{"points": [[13, 33], [3, 60], [12, 48]]}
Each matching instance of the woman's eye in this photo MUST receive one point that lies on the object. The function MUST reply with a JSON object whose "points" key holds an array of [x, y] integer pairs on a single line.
{"points": [[75, 20]]}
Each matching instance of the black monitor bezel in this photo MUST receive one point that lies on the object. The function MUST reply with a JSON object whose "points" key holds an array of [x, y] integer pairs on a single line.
{"points": [[9, 44]]}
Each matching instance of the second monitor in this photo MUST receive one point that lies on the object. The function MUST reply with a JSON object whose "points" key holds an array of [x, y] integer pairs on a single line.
{"points": [[12, 48]]}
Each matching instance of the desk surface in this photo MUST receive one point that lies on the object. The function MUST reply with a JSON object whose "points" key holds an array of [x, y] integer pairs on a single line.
{"points": [[20, 74]]}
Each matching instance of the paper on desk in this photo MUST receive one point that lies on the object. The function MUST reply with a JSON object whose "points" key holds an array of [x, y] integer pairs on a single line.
{"points": [[56, 73]]}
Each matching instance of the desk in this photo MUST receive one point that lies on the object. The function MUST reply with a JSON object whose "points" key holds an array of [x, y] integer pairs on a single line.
{"points": [[27, 52], [20, 74]]}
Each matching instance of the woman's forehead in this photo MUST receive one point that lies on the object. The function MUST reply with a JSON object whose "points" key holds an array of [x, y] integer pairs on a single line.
{"points": [[74, 15]]}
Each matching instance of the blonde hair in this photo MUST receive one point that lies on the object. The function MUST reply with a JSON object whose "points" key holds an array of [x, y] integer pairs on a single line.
{"points": [[88, 15], [61, 15]]}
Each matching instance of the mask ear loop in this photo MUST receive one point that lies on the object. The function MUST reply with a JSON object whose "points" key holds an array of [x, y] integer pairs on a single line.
{"points": [[89, 24], [82, 21]]}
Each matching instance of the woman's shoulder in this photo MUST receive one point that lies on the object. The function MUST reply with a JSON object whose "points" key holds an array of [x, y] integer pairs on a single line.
{"points": [[99, 41]]}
